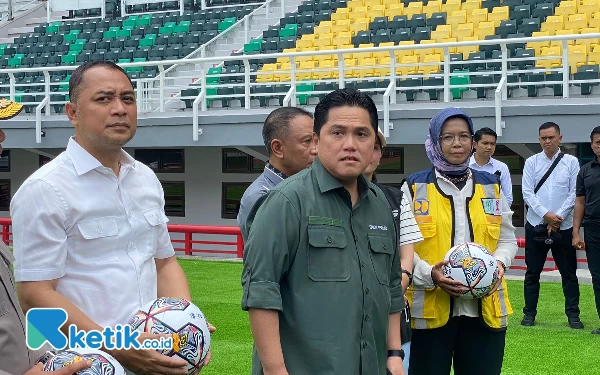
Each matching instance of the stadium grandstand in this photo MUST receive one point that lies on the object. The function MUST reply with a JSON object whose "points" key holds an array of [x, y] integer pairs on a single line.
{"points": [[207, 72]]}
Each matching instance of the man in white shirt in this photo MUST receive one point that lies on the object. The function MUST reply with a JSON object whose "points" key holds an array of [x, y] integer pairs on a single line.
{"points": [[551, 209], [484, 143], [90, 231]]}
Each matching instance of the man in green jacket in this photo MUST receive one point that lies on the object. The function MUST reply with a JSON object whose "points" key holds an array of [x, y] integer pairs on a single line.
{"points": [[321, 278]]}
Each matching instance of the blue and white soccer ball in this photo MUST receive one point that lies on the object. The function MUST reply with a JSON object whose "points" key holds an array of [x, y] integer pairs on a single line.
{"points": [[183, 321], [102, 363], [474, 266]]}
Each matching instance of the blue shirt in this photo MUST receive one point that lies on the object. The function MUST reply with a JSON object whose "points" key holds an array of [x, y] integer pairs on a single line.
{"points": [[261, 186], [492, 167], [557, 195]]}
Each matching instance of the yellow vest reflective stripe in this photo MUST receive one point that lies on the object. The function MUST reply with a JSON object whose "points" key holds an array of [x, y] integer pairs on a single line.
{"points": [[434, 213]]}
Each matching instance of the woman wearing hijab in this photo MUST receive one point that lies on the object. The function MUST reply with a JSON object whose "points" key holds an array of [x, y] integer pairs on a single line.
{"points": [[408, 235], [454, 204]]}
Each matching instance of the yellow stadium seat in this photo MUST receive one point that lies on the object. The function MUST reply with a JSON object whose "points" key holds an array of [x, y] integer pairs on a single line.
{"points": [[404, 52], [457, 17], [367, 66], [466, 50], [265, 74], [432, 7], [594, 21], [389, 2], [577, 22], [484, 29], [383, 69], [447, 28], [360, 12], [498, 15], [429, 69], [284, 74], [469, 5], [323, 40], [439, 35], [477, 15], [553, 24], [359, 24], [463, 30], [415, 7], [549, 63], [450, 40], [588, 8], [330, 70], [305, 70], [370, 3], [301, 59], [394, 10], [341, 39], [426, 51], [558, 43], [590, 43], [325, 27], [380, 55], [411, 66], [353, 4], [577, 56], [451, 6], [304, 43], [363, 55], [374, 13], [341, 26], [349, 71], [537, 46], [566, 8], [338, 16], [594, 58]]}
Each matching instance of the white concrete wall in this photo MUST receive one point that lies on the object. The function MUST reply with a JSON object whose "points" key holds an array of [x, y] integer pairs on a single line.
{"points": [[203, 177]]}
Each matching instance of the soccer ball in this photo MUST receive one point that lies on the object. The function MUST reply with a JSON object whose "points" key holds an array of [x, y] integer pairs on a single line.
{"points": [[102, 363], [474, 266], [183, 321]]}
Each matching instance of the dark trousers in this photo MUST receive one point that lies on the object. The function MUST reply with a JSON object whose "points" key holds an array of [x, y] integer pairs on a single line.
{"points": [[592, 250], [434, 351], [565, 258]]}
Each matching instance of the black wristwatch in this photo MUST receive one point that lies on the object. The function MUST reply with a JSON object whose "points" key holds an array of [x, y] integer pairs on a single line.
{"points": [[410, 276], [396, 353]]}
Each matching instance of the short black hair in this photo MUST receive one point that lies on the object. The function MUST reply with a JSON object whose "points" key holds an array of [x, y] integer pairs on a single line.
{"points": [[345, 98], [596, 130], [76, 80], [548, 125], [277, 124], [485, 131]]}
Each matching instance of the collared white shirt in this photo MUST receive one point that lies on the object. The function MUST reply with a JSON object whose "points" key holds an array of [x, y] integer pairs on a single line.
{"points": [[506, 249], [98, 234], [557, 195], [492, 166]]}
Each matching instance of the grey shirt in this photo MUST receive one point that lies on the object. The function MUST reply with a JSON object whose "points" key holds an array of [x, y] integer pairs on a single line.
{"points": [[15, 357], [261, 186]]}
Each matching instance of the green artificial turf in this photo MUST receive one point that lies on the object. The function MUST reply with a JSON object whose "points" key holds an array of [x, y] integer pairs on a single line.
{"points": [[549, 348]]}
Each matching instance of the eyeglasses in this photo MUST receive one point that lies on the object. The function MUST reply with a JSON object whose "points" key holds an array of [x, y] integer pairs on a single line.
{"points": [[448, 139]]}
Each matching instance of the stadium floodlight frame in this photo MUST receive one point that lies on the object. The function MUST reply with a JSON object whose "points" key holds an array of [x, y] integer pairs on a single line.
{"points": [[67, 5], [148, 92], [125, 3]]}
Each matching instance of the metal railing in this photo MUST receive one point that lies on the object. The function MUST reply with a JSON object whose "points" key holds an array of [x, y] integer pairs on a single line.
{"points": [[250, 85], [216, 240]]}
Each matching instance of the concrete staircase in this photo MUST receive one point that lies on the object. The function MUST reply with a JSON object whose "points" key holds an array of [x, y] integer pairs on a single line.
{"points": [[27, 14]]}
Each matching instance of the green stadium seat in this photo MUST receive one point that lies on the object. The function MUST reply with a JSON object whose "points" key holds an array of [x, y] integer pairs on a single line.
{"points": [[183, 27], [109, 34], [124, 33], [68, 59], [226, 24], [462, 81], [131, 21], [213, 76], [289, 30], [146, 42], [144, 20], [253, 46], [70, 37]]}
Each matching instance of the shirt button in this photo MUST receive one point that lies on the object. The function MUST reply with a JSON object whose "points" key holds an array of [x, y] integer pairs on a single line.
{"points": [[329, 240], [99, 230], [362, 263], [366, 318], [355, 239], [367, 291], [384, 247], [365, 345]]}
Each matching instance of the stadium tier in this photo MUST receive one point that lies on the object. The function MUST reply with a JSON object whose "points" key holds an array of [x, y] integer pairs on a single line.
{"points": [[327, 25], [335, 25]]}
